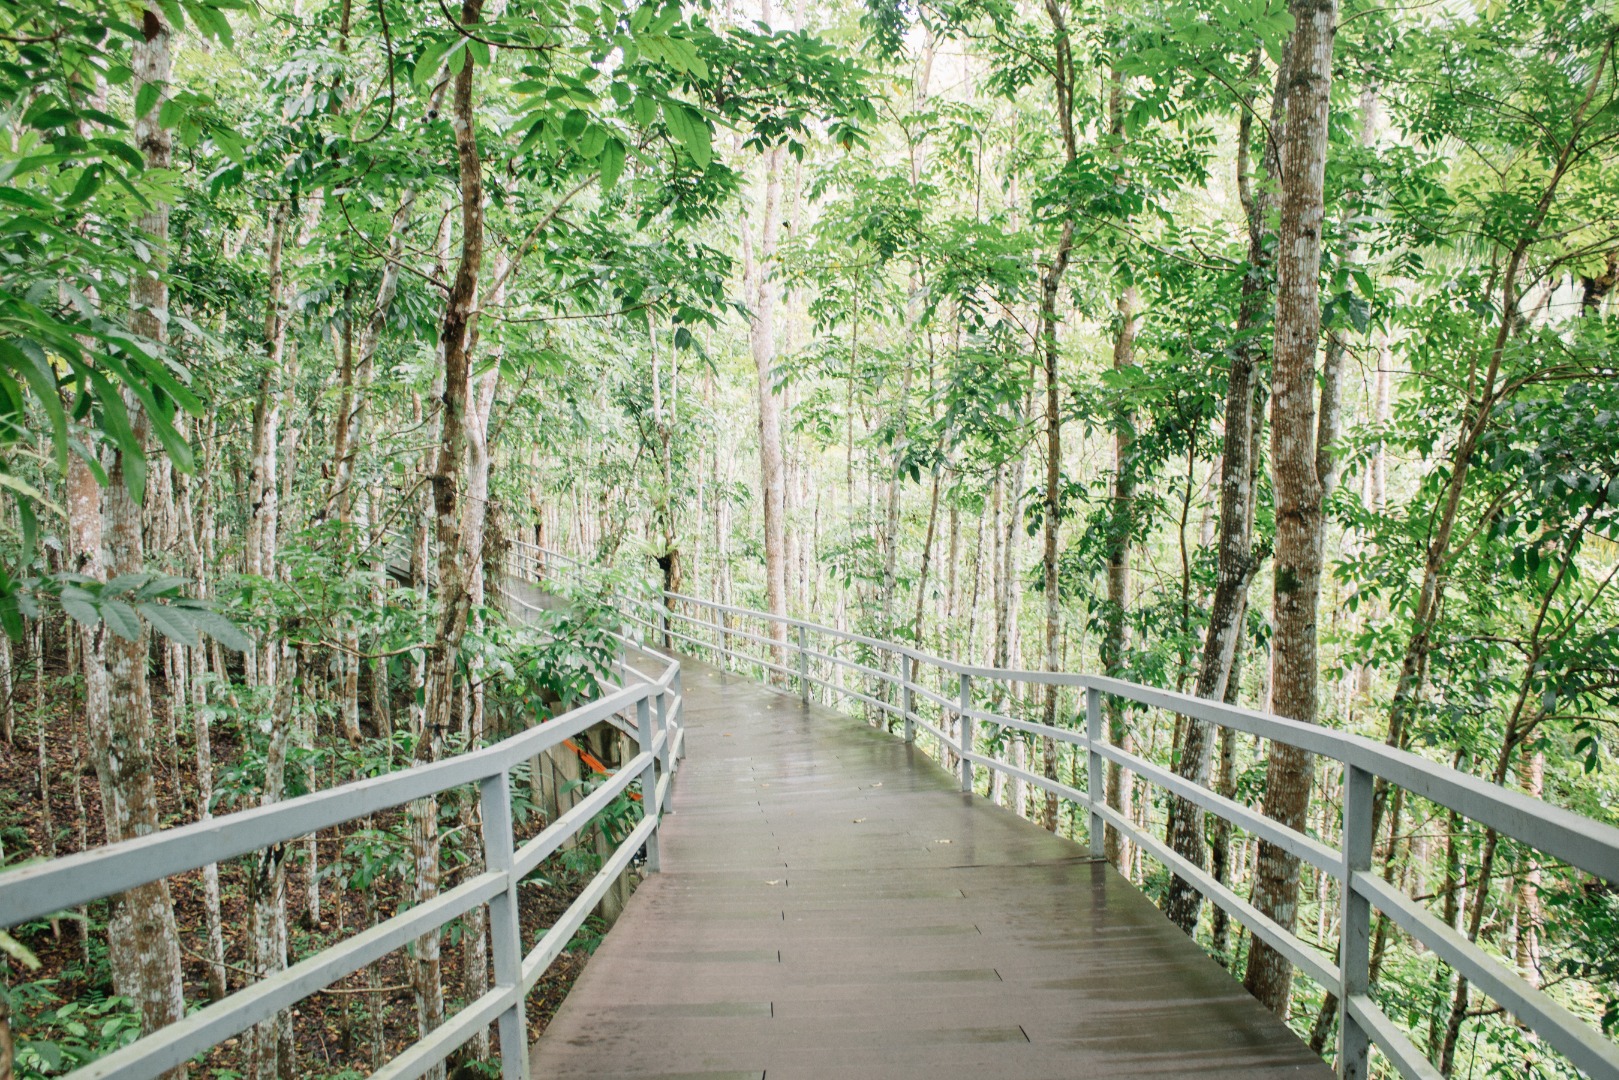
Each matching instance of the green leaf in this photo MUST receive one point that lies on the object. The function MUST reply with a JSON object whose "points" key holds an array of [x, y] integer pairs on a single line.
{"points": [[30, 531], [19, 952], [42, 380], [592, 142], [123, 585], [432, 59], [146, 97], [26, 490], [170, 622], [216, 626], [612, 164], [121, 619], [645, 110], [89, 183], [212, 22], [691, 129], [80, 605]]}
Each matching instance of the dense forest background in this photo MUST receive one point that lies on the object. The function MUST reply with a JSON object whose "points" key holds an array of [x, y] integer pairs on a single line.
{"points": [[1254, 350]]}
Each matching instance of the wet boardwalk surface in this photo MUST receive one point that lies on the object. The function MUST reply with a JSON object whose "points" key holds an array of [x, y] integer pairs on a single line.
{"points": [[831, 906]]}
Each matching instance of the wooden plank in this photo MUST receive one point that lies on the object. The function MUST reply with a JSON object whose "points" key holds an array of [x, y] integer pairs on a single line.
{"points": [[919, 931]]}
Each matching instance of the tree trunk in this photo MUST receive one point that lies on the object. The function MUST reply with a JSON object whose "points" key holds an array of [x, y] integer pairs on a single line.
{"points": [[1220, 840], [761, 295], [1239, 461], [126, 763], [8, 703], [1531, 916], [1121, 527], [927, 558], [1050, 286], [459, 524], [664, 516], [1115, 632], [267, 888], [1296, 456], [890, 537], [475, 942], [201, 724]]}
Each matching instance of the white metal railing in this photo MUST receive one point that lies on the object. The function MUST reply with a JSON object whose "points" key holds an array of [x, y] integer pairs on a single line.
{"points": [[40, 889], [1585, 843]]}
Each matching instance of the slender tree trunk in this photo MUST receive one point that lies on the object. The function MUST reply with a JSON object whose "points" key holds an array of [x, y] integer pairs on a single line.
{"points": [[1120, 530], [952, 600], [376, 1001], [1050, 287], [344, 437], [1220, 838], [1450, 903], [475, 942], [126, 761], [1297, 454], [47, 823], [267, 888], [85, 543], [459, 524], [927, 558], [1115, 632], [1236, 563], [761, 294], [8, 703], [201, 725], [664, 514], [1531, 916], [890, 535]]}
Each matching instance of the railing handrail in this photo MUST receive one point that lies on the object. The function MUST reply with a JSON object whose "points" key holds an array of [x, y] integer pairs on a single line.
{"points": [[35, 890], [1582, 842]]}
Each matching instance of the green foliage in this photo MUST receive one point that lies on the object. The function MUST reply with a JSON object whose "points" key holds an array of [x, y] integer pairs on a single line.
{"points": [[62, 1036], [124, 602]]}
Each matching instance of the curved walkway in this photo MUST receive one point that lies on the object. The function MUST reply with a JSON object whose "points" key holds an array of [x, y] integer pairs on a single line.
{"points": [[832, 906]]}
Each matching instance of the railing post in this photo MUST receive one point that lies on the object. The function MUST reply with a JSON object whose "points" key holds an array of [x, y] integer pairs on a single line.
{"points": [[907, 700], [680, 713], [966, 733], [663, 626], [1354, 937], [1095, 776], [646, 730], [803, 664], [664, 725], [496, 804]]}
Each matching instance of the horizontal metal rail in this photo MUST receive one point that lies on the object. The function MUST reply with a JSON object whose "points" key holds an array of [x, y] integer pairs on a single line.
{"points": [[41, 889], [1581, 842]]}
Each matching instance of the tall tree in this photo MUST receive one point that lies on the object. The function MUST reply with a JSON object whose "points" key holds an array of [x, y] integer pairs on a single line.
{"points": [[1121, 523], [1051, 279], [760, 288], [1297, 456], [126, 761], [1236, 561]]}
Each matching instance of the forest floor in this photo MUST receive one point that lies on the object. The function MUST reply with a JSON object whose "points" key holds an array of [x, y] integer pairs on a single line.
{"points": [[63, 1009]]}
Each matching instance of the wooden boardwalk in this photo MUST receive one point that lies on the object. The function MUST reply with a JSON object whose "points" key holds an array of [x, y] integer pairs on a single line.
{"points": [[832, 906]]}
